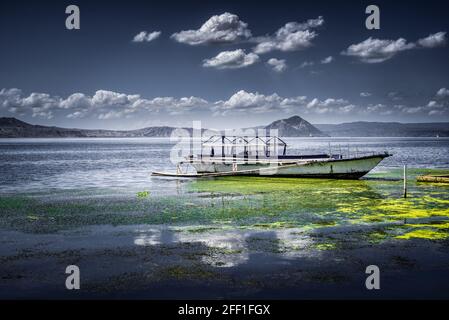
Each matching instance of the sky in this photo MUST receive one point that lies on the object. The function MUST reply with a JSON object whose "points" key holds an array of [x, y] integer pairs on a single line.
{"points": [[229, 64]]}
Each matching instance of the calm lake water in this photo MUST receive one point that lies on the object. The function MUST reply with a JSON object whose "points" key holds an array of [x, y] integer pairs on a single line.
{"points": [[125, 164], [75, 201]]}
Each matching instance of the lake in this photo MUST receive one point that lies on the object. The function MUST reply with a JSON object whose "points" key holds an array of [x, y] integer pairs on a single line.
{"points": [[93, 203], [125, 164]]}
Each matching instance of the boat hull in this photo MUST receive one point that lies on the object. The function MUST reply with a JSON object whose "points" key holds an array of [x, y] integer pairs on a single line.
{"points": [[353, 168]]}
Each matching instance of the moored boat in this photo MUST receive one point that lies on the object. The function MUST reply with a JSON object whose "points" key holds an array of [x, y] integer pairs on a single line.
{"points": [[267, 156]]}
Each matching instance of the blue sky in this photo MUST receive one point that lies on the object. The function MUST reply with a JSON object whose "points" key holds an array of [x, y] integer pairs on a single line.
{"points": [[227, 63]]}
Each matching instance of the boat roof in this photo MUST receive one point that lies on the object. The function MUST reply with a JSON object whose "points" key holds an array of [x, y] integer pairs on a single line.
{"points": [[243, 141]]}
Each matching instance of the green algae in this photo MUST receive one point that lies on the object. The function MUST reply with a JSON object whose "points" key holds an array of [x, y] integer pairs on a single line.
{"points": [[13, 203], [324, 246], [260, 203], [424, 234], [143, 194], [275, 225]]}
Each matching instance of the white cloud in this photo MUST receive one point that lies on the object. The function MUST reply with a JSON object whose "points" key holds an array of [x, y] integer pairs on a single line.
{"points": [[375, 108], [436, 112], [395, 96], [412, 109], [103, 104], [365, 94], [293, 36], [307, 64], [231, 60], [327, 60], [443, 93], [145, 36], [243, 101], [40, 104], [225, 28], [376, 50], [248, 101], [177, 106], [433, 40], [437, 106], [329, 105], [278, 65]]}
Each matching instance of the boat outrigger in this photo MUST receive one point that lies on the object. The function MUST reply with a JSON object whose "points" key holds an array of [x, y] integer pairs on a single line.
{"points": [[267, 156]]}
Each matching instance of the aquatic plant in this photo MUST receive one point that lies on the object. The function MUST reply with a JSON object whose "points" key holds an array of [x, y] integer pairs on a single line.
{"points": [[248, 203], [143, 194]]}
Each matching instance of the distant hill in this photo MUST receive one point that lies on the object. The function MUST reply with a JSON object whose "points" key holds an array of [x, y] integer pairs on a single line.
{"points": [[14, 128], [385, 129], [292, 127], [295, 127]]}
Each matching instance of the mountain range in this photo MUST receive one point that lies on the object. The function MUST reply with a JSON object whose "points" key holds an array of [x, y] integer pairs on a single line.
{"points": [[385, 129], [14, 128], [291, 127]]}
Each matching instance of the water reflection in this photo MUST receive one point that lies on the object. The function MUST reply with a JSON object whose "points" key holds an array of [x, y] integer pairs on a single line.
{"points": [[230, 248]]}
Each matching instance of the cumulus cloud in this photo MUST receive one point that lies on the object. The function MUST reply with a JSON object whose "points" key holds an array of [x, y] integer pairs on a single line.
{"points": [[145, 36], [231, 60], [293, 36], [365, 94], [103, 104], [40, 104], [327, 60], [433, 40], [248, 101], [395, 96], [278, 65], [329, 105], [443, 93], [224, 28], [307, 64], [375, 107], [378, 50], [176, 106], [439, 105]]}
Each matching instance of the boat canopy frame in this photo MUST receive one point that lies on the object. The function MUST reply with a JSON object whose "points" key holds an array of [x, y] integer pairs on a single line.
{"points": [[243, 141]]}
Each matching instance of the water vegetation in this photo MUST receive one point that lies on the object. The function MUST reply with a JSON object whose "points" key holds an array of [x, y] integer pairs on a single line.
{"points": [[259, 203], [143, 194]]}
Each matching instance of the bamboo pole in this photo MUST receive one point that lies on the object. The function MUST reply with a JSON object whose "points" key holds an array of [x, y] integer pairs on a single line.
{"points": [[405, 181]]}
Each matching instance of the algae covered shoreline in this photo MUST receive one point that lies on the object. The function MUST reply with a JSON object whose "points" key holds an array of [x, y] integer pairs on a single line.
{"points": [[233, 236]]}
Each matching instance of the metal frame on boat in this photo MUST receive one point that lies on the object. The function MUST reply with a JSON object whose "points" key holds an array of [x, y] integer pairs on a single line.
{"points": [[266, 156]]}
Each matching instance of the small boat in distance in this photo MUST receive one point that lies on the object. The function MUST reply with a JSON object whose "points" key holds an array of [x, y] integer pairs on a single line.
{"points": [[267, 156]]}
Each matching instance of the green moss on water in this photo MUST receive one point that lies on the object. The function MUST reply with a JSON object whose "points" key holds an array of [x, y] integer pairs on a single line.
{"points": [[243, 202], [143, 194], [275, 225], [424, 234], [324, 246], [13, 203], [201, 229]]}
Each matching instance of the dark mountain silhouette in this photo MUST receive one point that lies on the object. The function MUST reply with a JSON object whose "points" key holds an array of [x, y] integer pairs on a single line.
{"points": [[292, 127], [385, 129], [295, 127]]}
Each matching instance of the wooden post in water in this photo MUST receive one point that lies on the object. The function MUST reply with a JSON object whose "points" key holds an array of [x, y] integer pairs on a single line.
{"points": [[405, 181]]}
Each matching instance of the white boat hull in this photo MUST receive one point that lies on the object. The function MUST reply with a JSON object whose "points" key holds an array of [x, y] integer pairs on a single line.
{"points": [[353, 168]]}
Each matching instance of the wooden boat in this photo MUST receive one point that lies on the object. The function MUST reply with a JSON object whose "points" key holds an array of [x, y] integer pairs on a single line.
{"points": [[266, 156]]}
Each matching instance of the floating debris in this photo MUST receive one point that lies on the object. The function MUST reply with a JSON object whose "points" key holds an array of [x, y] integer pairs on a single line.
{"points": [[444, 178]]}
